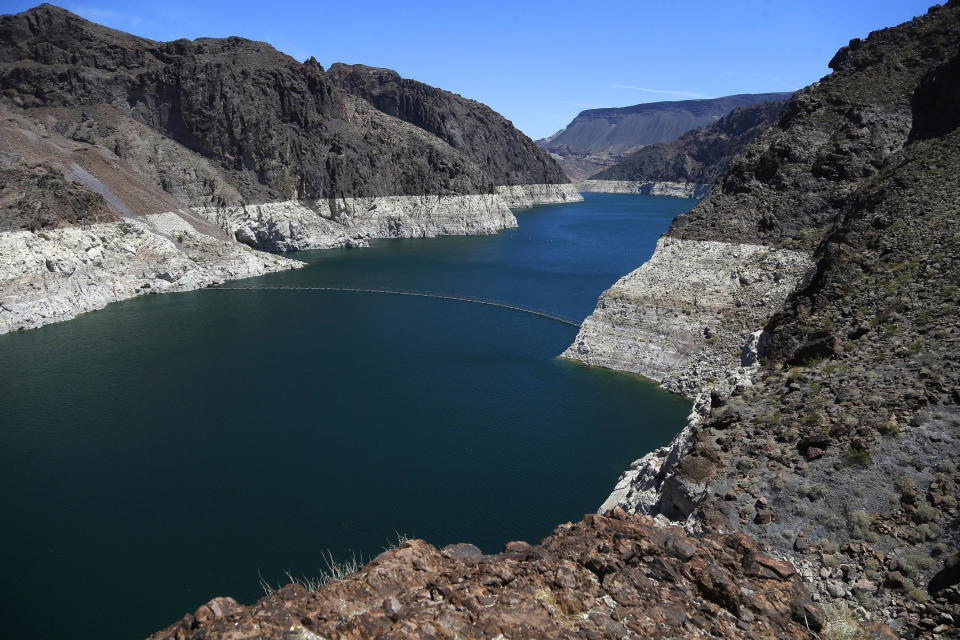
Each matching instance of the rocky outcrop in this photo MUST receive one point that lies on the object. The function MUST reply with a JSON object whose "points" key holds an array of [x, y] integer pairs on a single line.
{"points": [[673, 189], [80, 228], [527, 195], [351, 222], [609, 576], [784, 173], [699, 156], [238, 142], [683, 317], [258, 126], [506, 155], [837, 449], [792, 181], [275, 129], [599, 138], [50, 275]]}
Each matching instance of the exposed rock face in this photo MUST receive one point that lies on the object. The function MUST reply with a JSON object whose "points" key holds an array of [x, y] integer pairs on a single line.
{"points": [[80, 228], [238, 141], [599, 138], [489, 139], [699, 156], [613, 576], [783, 173], [278, 129], [350, 222], [839, 449], [674, 189], [52, 275], [793, 180], [527, 195], [683, 317]]}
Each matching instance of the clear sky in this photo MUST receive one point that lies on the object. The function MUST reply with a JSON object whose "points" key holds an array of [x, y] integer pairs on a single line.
{"points": [[538, 63]]}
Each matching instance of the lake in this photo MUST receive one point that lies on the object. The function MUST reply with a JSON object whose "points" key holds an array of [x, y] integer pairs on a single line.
{"points": [[173, 448]]}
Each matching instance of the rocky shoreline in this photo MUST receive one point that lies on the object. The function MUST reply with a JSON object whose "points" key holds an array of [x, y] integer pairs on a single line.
{"points": [[825, 412], [682, 318], [521, 196], [53, 275], [673, 189], [351, 222]]}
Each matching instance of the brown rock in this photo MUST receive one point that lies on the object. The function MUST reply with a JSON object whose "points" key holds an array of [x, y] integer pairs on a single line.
{"points": [[599, 578]]}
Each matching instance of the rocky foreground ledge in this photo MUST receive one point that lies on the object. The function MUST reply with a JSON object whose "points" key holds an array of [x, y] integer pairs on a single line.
{"points": [[610, 576]]}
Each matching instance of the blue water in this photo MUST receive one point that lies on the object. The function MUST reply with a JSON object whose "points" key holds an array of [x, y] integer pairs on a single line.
{"points": [[172, 448]]}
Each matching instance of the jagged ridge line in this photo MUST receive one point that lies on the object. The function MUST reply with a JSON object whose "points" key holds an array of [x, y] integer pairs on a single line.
{"points": [[438, 296]]}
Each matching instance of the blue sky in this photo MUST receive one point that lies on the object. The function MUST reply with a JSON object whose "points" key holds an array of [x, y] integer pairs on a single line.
{"points": [[538, 63]]}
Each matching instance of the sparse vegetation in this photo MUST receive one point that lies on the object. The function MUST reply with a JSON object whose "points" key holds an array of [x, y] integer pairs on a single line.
{"points": [[841, 624], [334, 570], [856, 456]]}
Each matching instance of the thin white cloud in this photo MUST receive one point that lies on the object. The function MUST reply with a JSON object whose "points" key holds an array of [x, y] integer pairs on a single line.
{"points": [[684, 94]]}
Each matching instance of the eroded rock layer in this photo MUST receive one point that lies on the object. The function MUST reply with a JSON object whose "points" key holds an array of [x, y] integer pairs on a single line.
{"points": [[684, 316], [673, 189], [52, 275], [527, 195], [350, 222]]}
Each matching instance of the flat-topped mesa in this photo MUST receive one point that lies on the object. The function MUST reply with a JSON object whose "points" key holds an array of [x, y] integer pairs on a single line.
{"points": [[688, 166], [600, 138]]}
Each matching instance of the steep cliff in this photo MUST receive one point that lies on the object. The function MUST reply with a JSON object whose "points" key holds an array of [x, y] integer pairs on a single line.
{"points": [[831, 435], [489, 139], [774, 204], [239, 141]]}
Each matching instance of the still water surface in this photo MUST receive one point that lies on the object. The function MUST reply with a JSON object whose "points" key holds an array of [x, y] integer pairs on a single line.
{"points": [[172, 448]]}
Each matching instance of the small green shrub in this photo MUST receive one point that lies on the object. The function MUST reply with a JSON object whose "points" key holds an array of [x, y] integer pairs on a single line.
{"points": [[841, 624], [904, 484], [917, 594], [857, 456], [925, 513], [920, 562]]}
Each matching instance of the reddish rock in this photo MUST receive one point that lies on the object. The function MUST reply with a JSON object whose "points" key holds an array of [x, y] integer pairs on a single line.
{"points": [[607, 576]]}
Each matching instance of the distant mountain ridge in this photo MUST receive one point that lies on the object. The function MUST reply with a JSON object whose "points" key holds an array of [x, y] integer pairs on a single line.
{"points": [[701, 155], [598, 138]]}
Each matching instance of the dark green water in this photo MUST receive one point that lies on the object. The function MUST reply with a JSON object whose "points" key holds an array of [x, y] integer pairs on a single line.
{"points": [[167, 449]]}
